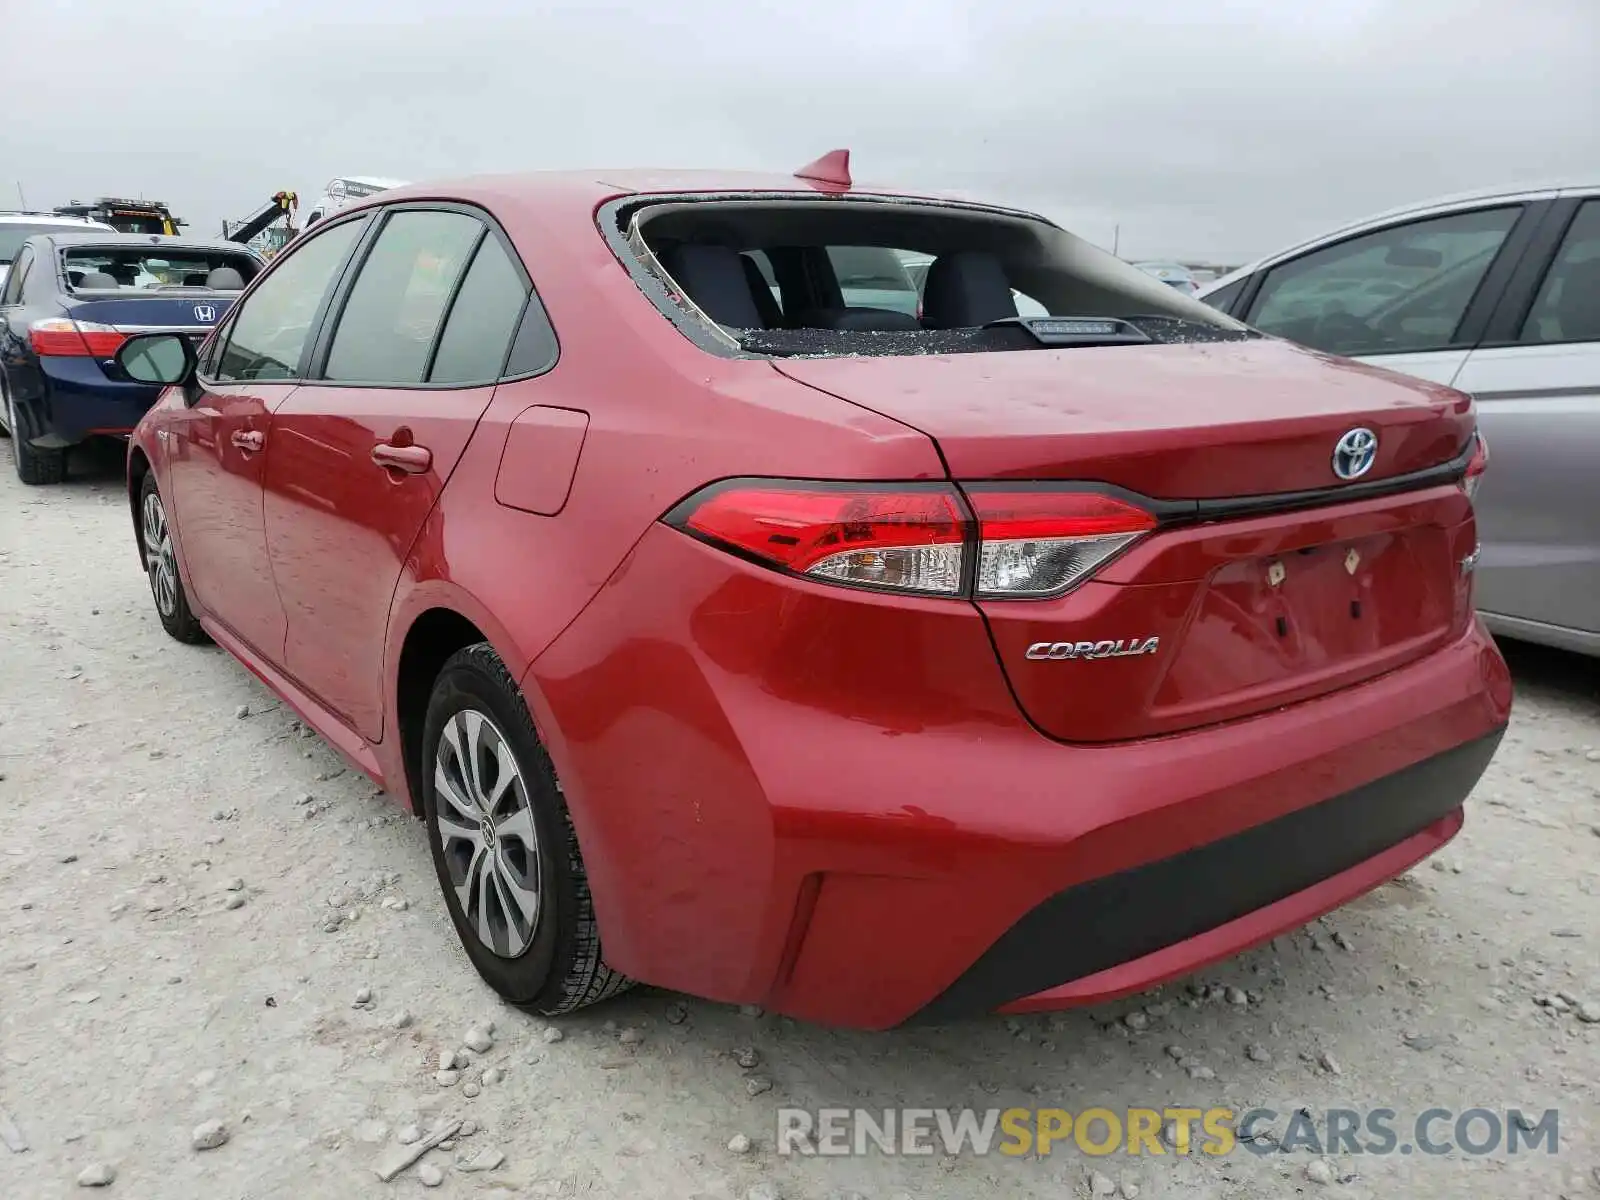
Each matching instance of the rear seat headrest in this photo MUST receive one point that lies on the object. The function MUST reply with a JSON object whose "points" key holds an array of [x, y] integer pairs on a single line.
{"points": [[225, 279], [965, 289], [99, 281], [713, 277]]}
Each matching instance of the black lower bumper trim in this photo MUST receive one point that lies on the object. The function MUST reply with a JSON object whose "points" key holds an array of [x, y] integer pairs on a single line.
{"points": [[1118, 918]]}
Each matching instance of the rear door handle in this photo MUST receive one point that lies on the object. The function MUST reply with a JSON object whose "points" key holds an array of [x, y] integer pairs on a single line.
{"points": [[413, 460], [249, 440]]}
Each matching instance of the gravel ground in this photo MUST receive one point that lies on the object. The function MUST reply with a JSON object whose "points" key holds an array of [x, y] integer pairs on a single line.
{"points": [[224, 972]]}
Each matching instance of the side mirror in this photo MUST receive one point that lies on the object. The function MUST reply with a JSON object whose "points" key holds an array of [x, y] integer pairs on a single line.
{"points": [[164, 358]]}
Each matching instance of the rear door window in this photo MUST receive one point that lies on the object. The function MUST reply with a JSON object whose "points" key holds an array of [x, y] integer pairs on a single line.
{"points": [[1397, 290], [392, 315], [1222, 299], [477, 333], [274, 323], [1567, 308], [12, 292]]}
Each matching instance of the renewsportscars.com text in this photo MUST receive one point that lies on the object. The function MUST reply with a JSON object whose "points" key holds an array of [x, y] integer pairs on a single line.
{"points": [[1100, 1132]]}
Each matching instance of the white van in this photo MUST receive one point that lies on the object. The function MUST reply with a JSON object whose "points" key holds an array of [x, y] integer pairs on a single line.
{"points": [[346, 191]]}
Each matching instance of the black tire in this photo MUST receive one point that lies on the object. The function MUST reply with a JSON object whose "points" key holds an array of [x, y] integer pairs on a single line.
{"points": [[562, 967], [35, 467], [176, 617]]}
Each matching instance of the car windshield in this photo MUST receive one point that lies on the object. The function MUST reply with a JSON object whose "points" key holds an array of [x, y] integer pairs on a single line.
{"points": [[799, 276], [12, 237], [154, 268]]}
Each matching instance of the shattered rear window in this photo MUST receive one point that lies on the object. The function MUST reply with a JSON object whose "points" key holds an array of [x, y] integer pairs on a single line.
{"points": [[794, 275]]}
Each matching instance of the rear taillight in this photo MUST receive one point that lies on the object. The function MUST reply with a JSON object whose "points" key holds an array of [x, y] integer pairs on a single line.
{"points": [[909, 539], [1012, 543], [83, 339], [1476, 466], [1041, 543]]}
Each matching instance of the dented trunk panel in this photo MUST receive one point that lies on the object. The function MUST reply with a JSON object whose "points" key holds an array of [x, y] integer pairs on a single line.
{"points": [[1244, 616]]}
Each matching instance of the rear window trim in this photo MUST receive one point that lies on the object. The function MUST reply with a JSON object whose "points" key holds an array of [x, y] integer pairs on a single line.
{"points": [[616, 222]]}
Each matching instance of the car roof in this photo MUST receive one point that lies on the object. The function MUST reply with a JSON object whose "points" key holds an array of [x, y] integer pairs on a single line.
{"points": [[1415, 208], [30, 218], [565, 195], [162, 240]]}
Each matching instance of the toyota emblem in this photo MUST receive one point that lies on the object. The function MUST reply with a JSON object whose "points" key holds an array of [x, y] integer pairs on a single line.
{"points": [[1355, 453]]}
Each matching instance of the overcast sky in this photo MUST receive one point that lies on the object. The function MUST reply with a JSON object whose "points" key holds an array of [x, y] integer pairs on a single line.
{"points": [[1213, 129]]}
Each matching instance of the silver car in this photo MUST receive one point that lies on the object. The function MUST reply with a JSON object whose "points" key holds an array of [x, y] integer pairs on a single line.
{"points": [[1498, 294]]}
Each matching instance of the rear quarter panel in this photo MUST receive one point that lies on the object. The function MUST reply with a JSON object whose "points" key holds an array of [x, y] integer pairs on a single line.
{"points": [[664, 418]]}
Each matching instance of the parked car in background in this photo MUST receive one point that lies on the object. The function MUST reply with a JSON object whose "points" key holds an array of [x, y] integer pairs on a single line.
{"points": [[70, 300], [1496, 293], [1174, 275], [18, 227], [739, 639]]}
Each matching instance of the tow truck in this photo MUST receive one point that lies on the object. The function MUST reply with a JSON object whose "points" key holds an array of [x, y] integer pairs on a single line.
{"points": [[258, 227], [129, 216]]}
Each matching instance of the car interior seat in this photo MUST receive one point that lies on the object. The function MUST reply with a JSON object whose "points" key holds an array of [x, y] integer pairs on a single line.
{"points": [[964, 289], [766, 303], [224, 279], [714, 279]]}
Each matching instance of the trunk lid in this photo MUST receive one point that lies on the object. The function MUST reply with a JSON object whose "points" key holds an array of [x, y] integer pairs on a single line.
{"points": [[195, 310], [1224, 610], [1192, 421]]}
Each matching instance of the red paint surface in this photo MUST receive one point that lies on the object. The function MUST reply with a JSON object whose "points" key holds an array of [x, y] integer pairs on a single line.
{"points": [[825, 800], [540, 459]]}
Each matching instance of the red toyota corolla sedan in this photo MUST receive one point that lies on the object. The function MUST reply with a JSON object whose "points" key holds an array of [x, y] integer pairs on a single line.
{"points": [[742, 618]]}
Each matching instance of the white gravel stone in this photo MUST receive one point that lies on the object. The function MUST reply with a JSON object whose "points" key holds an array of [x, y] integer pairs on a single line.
{"points": [[429, 1176], [479, 1041], [739, 1144], [208, 1135], [97, 1175]]}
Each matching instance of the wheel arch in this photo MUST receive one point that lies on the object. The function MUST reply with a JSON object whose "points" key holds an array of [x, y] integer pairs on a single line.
{"points": [[138, 467], [429, 623]]}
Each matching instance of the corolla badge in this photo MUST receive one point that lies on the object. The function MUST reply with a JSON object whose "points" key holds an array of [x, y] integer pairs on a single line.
{"points": [[1121, 648], [205, 313], [1355, 453]]}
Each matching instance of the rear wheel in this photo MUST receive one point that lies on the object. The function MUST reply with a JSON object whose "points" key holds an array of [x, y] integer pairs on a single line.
{"points": [[34, 466], [161, 568], [503, 844]]}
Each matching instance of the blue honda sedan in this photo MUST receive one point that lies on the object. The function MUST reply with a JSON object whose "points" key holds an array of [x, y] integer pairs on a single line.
{"points": [[68, 302]]}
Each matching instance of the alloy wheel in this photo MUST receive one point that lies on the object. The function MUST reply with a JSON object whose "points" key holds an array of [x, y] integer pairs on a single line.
{"points": [[158, 556], [486, 827]]}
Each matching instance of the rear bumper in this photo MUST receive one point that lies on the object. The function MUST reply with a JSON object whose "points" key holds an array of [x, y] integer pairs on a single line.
{"points": [[859, 829], [1238, 889], [78, 401]]}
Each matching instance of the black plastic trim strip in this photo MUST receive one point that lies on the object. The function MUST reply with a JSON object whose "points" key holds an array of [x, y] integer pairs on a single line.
{"points": [[1126, 915]]}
